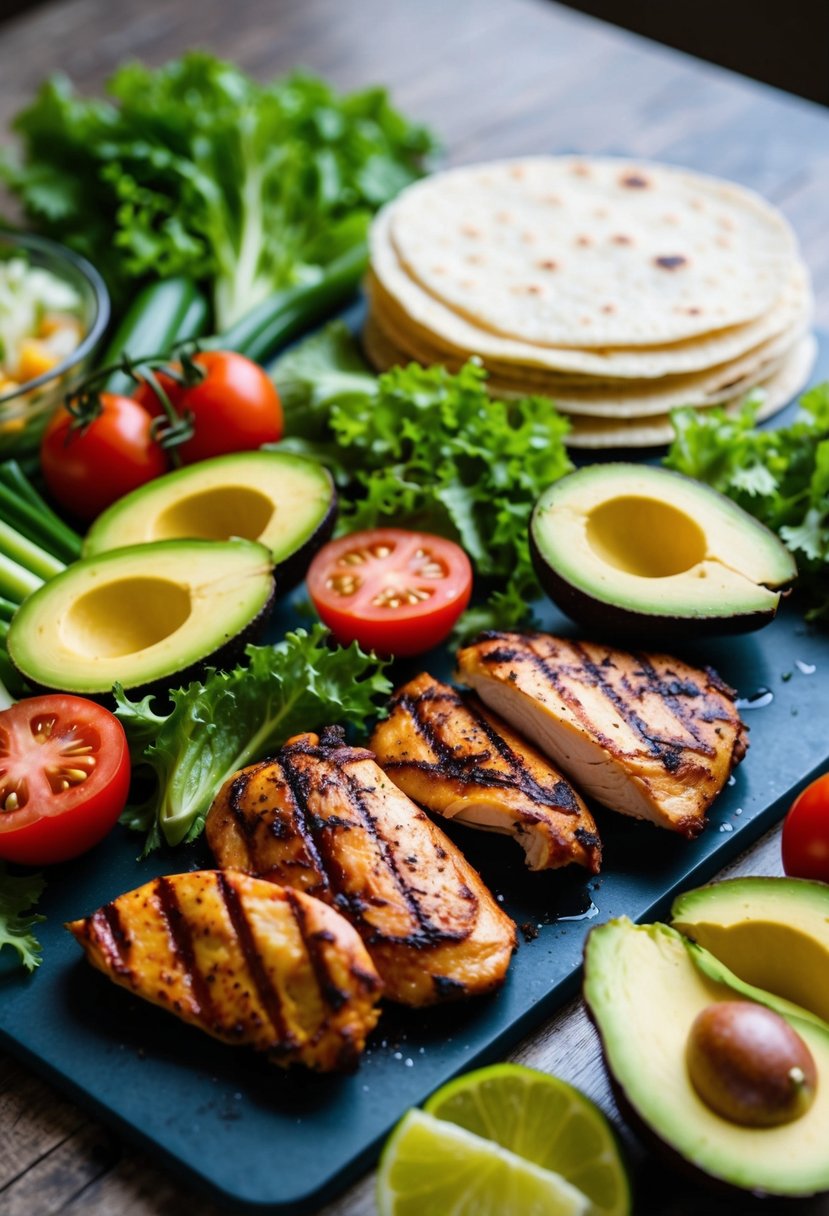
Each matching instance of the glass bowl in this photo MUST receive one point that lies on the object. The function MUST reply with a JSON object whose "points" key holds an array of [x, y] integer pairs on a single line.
{"points": [[25, 409]]}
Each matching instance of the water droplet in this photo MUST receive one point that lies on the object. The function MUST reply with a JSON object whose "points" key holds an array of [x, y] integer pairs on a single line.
{"points": [[739, 811], [398, 1055], [732, 780], [726, 827], [409, 1063], [758, 700], [808, 669], [588, 914]]}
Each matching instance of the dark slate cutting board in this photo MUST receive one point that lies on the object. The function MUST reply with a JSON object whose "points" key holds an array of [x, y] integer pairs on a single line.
{"points": [[261, 1139]]}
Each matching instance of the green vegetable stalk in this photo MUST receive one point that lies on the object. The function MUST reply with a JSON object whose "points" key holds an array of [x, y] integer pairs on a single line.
{"points": [[422, 448], [235, 717], [196, 169]]}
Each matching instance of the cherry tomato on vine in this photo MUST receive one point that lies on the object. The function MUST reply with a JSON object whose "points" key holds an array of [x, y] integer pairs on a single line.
{"points": [[235, 408], [64, 777], [88, 469], [394, 592], [806, 833]]}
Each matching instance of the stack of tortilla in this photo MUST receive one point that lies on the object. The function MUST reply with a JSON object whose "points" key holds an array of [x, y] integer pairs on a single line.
{"points": [[619, 290]]}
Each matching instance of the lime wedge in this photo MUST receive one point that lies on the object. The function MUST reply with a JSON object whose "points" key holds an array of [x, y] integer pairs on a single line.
{"points": [[432, 1168], [545, 1121]]}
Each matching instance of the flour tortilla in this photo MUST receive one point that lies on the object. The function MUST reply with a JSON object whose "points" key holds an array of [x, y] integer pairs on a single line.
{"points": [[621, 400], [778, 389], [579, 252], [400, 298]]}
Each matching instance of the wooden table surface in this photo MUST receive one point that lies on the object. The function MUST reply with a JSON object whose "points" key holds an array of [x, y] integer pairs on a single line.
{"points": [[494, 78]]}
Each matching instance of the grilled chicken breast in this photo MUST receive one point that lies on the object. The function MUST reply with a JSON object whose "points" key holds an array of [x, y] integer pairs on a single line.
{"points": [[245, 960], [645, 734], [456, 758], [324, 818]]}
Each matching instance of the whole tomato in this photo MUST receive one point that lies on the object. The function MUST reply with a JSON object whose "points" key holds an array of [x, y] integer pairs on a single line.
{"points": [[806, 833], [235, 408], [89, 468]]}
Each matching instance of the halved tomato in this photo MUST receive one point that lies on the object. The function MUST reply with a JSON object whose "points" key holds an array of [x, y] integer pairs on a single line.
{"points": [[64, 778], [394, 592]]}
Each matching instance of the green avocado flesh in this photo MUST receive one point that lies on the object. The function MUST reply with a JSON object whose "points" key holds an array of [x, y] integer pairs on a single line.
{"points": [[278, 499], [644, 992], [621, 544], [140, 615], [773, 933]]}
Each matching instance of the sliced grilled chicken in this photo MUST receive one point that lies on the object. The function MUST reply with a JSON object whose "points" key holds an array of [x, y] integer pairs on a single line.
{"points": [[324, 817], [247, 961], [456, 758], [645, 734]]}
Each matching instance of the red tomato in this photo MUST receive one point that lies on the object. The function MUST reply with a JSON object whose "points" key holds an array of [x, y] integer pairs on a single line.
{"points": [[65, 767], [235, 408], [87, 470], [806, 833], [392, 591]]}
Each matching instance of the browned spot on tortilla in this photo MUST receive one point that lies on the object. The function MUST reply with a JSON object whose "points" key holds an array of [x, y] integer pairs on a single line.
{"points": [[469, 284], [503, 217], [725, 221], [580, 170], [600, 213], [517, 171], [529, 238], [697, 204], [438, 270], [555, 199], [620, 239], [585, 320], [724, 242], [608, 308], [547, 264], [527, 289], [470, 230], [584, 241], [693, 312], [670, 218], [671, 261], [475, 259], [634, 181]]}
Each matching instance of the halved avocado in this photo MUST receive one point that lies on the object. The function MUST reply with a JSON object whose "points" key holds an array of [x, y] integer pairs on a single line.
{"points": [[280, 500], [142, 615], [644, 992], [773, 933], [640, 550]]}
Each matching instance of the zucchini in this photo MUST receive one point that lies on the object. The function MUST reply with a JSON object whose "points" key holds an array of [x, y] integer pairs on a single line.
{"points": [[287, 314], [162, 314]]}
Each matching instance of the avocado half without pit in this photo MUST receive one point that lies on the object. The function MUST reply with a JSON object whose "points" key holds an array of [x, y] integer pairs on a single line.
{"points": [[142, 616], [282, 501], [643, 551]]}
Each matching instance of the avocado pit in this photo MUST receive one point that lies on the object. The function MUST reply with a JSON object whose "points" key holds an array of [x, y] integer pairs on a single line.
{"points": [[749, 1065]]}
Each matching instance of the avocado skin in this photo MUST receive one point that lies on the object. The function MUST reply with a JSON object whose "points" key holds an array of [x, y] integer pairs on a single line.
{"points": [[291, 572], [651, 1139], [621, 623], [223, 657]]}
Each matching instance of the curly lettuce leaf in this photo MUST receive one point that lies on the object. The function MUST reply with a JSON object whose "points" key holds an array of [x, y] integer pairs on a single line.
{"points": [[423, 448], [18, 895], [781, 476], [195, 168], [235, 717]]}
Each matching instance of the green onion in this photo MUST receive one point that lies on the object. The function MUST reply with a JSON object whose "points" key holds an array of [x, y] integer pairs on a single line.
{"points": [[29, 555], [12, 476], [39, 525], [7, 609], [15, 581]]}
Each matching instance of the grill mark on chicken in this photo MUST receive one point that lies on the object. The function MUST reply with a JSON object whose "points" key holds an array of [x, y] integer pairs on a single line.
{"points": [[115, 942], [333, 996], [268, 995], [180, 936], [466, 767], [428, 933], [303, 824]]}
